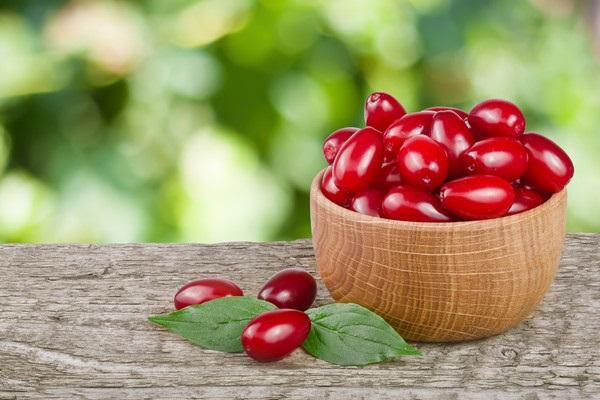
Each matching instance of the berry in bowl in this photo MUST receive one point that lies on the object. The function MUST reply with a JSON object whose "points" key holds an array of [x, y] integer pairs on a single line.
{"points": [[448, 224]]}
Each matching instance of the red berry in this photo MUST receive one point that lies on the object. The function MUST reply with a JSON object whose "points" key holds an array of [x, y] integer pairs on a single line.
{"points": [[388, 177], [290, 288], [462, 114], [519, 183], [550, 168], [497, 117], [423, 162], [525, 199], [368, 202], [477, 197], [273, 335], [448, 129], [381, 109], [406, 203], [409, 125], [358, 161], [500, 156], [388, 158], [331, 191], [203, 290], [476, 135], [332, 144]]}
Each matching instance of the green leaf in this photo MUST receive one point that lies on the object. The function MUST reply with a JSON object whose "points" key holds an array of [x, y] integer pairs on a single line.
{"points": [[216, 324], [348, 334]]}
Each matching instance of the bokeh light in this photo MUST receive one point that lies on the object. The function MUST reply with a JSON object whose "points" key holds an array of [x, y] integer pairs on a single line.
{"points": [[202, 120]]}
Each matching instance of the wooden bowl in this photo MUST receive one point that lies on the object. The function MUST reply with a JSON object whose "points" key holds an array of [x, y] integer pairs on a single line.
{"points": [[439, 282]]}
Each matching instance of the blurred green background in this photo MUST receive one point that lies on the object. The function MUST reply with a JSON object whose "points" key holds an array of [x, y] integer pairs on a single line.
{"points": [[203, 120]]}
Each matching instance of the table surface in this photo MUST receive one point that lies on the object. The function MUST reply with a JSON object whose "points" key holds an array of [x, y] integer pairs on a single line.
{"points": [[73, 325]]}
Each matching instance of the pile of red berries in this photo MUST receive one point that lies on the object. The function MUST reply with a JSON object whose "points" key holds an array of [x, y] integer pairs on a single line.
{"points": [[272, 335], [442, 164]]}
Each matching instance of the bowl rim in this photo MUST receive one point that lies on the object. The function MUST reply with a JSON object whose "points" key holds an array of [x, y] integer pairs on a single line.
{"points": [[555, 200]]}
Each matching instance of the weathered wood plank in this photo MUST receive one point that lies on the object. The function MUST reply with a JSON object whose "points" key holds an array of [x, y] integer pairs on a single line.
{"points": [[72, 325]]}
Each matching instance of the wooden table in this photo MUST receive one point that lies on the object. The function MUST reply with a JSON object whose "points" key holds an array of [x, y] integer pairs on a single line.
{"points": [[73, 325]]}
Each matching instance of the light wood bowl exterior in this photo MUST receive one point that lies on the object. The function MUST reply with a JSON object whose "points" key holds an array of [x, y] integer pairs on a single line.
{"points": [[439, 282]]}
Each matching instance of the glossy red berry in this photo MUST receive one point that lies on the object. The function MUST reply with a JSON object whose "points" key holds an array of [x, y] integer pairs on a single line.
{"points": [[550, 168], [462, 114], [358, 161], [290, 288], [273, 335], [525, 199], [388, 158], [368, 202], [409, 125], [500, 156], [477, 197], [451, 131], [334, 141], [331, 191], [381, 109], [406, 203], [388, 177], [496, 117], [423, 162], [203, 290]]}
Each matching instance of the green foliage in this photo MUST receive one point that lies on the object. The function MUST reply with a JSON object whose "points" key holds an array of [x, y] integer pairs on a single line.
{"points": [[217, 324], [203, 120], [349, 334]]}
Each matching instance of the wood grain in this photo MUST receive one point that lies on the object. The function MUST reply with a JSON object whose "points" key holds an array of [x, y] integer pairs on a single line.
{"points": [[72, 325], [440, 282]]}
